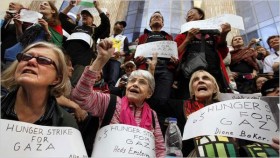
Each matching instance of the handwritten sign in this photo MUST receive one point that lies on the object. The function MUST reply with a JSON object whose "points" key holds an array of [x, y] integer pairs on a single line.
{"points": [[25, 140], [249, 119], [165, 49], [229, 96], [30, 16], [214, 23], [119, 140]]}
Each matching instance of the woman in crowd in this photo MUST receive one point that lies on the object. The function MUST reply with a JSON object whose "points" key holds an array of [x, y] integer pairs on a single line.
{"points": [[132, 108], [204, 91], [261, 53], [49, 29], [34, 80], [259, 81], [243, 65], [210, 47]]}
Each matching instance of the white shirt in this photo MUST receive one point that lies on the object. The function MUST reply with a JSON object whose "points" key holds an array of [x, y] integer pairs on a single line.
{"points": [[269, 61]]}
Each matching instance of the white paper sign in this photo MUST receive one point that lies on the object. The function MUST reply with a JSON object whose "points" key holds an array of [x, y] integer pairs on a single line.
{"points": [[214, 23], [229, 96], [165, 49], [30, 16], [25, 140], [119, 140], [249, 119]]}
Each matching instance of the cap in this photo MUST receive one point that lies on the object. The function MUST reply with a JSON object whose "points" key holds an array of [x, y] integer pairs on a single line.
{"points": [[269, 85], [123, 23], [130, 62], [86, 12]]}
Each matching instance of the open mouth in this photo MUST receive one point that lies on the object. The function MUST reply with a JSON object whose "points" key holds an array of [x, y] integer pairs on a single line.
{"points": [[134, 91], [202, 88], [28, 71]]}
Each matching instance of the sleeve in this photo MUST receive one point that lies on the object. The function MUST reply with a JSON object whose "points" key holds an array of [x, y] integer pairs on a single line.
{"points": [[179, 39], [103, 27], [222, 47], [66, 25], [267, 68], [125, 46], [159, 141], [83, 94]]}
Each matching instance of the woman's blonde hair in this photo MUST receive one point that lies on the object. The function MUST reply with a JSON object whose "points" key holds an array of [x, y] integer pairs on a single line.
{"points": [[212, 79], [8, 80]]}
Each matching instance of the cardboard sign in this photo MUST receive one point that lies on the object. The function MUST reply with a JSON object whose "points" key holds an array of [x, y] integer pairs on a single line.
{"points": [[229, 96], [26, 140], [249, 119], [165, 49], [214, 23], [119, 140]]}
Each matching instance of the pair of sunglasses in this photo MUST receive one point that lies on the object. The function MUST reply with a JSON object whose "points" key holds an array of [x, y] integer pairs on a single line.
{"points": [[40, 59]]}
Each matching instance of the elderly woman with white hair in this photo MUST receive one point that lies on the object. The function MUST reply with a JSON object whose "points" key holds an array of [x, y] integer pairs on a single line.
{"points": [[131, 109]]}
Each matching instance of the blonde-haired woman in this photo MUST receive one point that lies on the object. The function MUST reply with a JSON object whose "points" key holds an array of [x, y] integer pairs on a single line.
{"points": [[34, 80]]}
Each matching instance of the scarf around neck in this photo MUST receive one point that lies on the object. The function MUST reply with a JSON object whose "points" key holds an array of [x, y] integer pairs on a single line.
{"points": [[127, 118], [247, 55]]}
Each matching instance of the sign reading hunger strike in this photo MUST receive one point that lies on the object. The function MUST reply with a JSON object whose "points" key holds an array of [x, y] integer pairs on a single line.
{"points": [[119, 140], [165, 49], [26, 140], [249, 119]]}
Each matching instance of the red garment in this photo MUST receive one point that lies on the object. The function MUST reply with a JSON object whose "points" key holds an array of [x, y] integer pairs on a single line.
{"points": [[58, 28], [143, 39], [221, 49], [191, 106]]}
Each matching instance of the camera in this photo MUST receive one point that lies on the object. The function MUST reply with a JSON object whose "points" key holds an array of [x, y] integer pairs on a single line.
{"points": [[260, 56], [258, 40], [124, 78]]}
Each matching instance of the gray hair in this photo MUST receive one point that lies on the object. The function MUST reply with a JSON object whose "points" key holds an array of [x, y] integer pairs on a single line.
{"points": [[147, 75]]}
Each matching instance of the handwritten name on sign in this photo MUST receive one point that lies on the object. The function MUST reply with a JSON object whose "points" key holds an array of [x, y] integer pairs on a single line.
{"points": [[230, 96], [119, 140], [25, 140], [249, 119], [165, 49]]}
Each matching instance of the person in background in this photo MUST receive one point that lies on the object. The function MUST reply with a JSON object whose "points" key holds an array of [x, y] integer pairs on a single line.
{"points": [[112, 68], [131, 109], [34, 80], [273, 42], [232, 84], [64, 100], [243, 65], [128, 67], [165, 67], [47, 29], [100, 85], [190, 44], [82, 40], [8, 29], [261, 53]]}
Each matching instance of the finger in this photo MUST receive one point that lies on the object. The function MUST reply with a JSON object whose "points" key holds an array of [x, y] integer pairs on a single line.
{"points": [[155, 54]]}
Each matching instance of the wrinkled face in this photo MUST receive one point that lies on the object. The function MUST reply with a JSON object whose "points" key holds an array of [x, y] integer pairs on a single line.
{"points": [[45, 8], [156, 20], [203, 87], [129, 68], [14, 6], [260, 81], [274, 43], [31, 73], [118, 28], [237, 41], [193, 15], [137, 90], [87, 19]]}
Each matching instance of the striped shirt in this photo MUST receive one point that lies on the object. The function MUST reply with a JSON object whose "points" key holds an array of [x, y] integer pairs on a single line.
{"points": [[97, 103]]}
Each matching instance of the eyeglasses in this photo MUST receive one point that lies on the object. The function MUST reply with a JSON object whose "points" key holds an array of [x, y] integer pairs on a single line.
{"points": [[40, 60]]}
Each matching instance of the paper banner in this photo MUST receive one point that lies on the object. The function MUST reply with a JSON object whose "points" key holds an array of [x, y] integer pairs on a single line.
{"points": [[249, 119], [119, 140], [165, 49], [229, 96], [26, 140], [30, 16], [214, 23]]}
